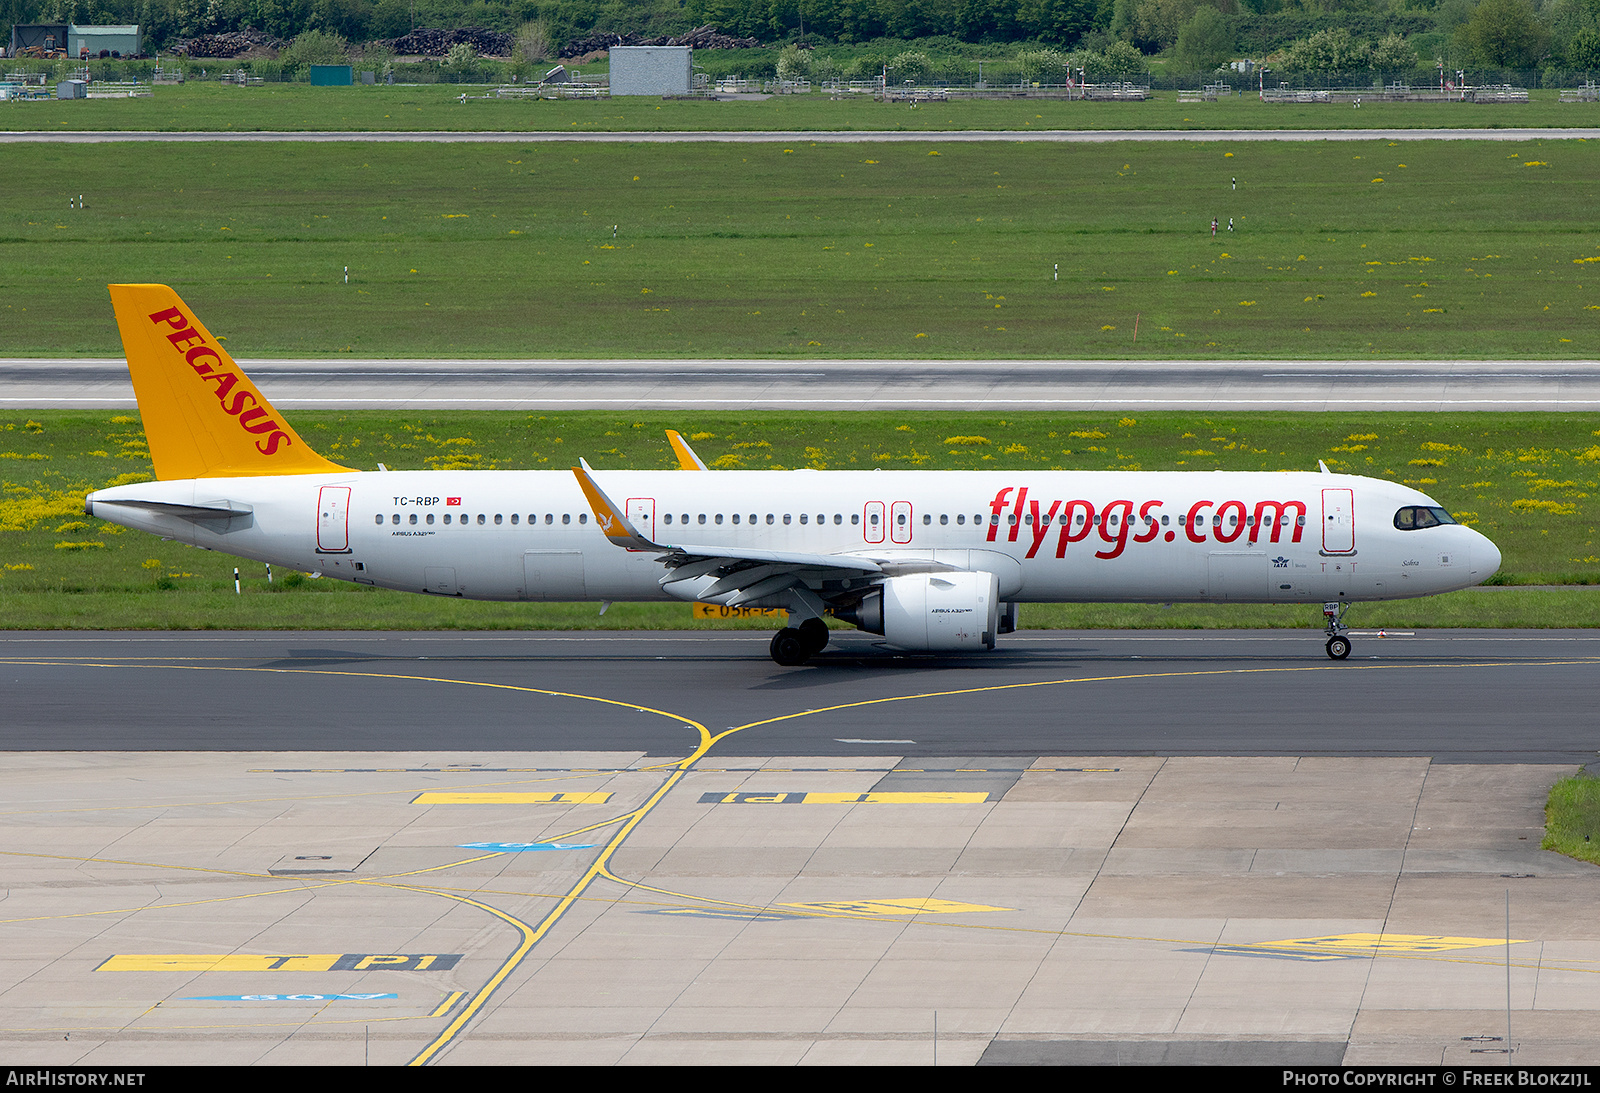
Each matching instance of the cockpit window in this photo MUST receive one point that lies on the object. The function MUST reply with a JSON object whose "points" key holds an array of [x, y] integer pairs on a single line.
{"points": [[1413, 517]]}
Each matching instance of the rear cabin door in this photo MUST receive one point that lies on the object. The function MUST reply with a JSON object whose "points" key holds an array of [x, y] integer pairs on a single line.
{"points": [[1338, 521], [333, 520]]}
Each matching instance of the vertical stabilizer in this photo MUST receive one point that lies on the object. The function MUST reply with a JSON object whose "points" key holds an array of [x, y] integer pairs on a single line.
{"points": [[202, 416]]}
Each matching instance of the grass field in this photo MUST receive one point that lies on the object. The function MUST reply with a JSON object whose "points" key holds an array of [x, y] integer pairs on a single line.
{"points": [[1365, 250], [1529, 482], [1572, 818], [280, 107]]}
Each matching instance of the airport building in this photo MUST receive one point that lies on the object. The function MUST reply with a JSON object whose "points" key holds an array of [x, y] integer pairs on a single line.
{"points": [[50, 39]]}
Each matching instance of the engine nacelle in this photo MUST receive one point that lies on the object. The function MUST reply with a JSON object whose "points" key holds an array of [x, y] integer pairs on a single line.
{"points": [[932, 612]]}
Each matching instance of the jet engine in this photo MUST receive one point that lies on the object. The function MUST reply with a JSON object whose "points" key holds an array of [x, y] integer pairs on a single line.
{"points": [[931, 612]]}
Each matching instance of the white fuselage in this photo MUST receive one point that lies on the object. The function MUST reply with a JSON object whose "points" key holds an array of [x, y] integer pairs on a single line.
{"points": [[1048, 536]]}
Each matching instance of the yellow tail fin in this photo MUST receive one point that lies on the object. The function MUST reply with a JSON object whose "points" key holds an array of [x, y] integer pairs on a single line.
{"points": [[202, 416]]}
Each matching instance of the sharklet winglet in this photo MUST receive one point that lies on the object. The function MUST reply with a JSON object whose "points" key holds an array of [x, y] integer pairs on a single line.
{"points": [[687, 459], [613, 523]]}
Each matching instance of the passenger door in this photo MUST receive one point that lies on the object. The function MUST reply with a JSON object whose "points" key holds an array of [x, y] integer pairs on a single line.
{"points": [[1338, 521], [333, 520]]}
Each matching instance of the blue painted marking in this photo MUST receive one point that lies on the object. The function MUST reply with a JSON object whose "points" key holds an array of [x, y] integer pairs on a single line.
{"points": [[513, 848], [287, 997]]}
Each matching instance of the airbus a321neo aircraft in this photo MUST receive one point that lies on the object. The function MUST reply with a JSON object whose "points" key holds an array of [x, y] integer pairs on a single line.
{"points": [[935, 561]]}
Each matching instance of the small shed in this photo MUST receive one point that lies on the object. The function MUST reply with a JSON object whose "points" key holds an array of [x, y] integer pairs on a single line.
{"points": [[92, 41], [331, 76], [651, 70]]}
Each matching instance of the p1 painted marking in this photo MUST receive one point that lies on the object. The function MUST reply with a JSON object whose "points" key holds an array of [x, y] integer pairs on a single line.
{"points": [[247, 962], [517, 848], [288, 997], [802, 798], [850, 908], [1359, 946], [447, 798], [897, 907]]}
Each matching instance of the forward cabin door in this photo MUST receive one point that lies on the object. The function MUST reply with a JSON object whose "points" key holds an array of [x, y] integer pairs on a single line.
{"points": [[1338, 521], [641, 513], [333, 520]]}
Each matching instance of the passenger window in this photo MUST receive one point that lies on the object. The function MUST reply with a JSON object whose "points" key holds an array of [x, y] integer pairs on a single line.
{"points": [[566, 517], [803, 517], [497, 518], [379, 520], [702, 517], [667, 519], [752, 517], [786, 518], [944, 518], [736, 517], [413, 518], [961, 518], [395, 519], [719, 517], [927, 518], [855, 518], [583, 518], [772, 519], [549, 517], [838, 519], [447, 517], [514, 518], [873, 519], [430, 517], [482, 519]]}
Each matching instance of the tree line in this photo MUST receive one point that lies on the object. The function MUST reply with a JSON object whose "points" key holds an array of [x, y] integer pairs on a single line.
{"points": [[1189, 35]]}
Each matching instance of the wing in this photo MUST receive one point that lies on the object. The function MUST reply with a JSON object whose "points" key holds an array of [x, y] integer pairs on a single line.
{"points": [[722, 574]]}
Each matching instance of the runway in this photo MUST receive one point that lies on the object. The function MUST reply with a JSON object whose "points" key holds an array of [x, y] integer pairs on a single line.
{"points": [[832, 136], [493, 849], [1456, 696], [1569, 386]]}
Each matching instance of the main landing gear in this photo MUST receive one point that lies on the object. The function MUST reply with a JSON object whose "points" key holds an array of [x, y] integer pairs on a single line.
{"points": [[794, 645], [1338, 644]]}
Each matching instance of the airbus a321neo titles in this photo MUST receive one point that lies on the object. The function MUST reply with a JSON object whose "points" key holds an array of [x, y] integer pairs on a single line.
{"points": [[934, 561]]}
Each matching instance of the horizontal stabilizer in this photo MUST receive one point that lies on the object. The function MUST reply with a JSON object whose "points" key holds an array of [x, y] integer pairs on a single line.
{"points": [[208, 510]]}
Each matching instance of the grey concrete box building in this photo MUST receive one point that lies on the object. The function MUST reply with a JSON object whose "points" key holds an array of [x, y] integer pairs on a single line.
{"points": [[650, 70]]}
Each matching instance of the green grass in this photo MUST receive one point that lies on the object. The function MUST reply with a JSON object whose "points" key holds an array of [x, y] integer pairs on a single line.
{"points": [[1528, 481], [1572, 818], [941, 250], [204, 106]]}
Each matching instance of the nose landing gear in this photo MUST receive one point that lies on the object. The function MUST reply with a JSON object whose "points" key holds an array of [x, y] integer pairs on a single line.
{"points": [[1338, 645]]}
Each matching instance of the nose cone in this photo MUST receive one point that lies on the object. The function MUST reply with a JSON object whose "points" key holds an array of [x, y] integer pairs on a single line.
{"points": [[1485, 557]]}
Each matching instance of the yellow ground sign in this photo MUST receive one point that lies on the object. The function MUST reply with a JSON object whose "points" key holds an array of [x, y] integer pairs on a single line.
{"points": [[717, 611], [445, 798], [250, 962]]}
